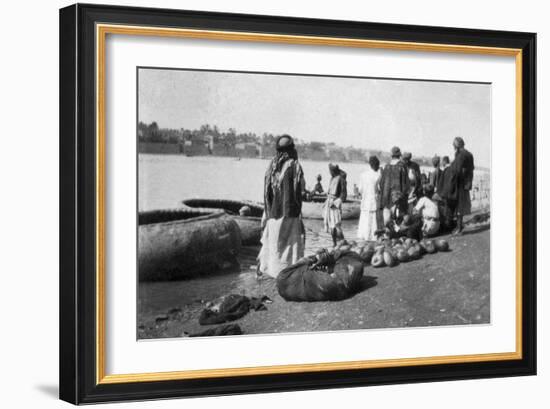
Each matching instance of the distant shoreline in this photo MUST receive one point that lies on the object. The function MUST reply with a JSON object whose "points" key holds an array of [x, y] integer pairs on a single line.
{"points": [[478, 168]]}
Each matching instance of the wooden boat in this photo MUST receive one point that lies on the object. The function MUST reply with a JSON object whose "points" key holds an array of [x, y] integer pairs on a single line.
{"points": [[181, 243], [251, 230], [313, 208]]}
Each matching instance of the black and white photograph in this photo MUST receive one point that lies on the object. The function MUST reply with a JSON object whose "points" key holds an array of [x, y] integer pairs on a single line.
{"points": [[275, 203]]}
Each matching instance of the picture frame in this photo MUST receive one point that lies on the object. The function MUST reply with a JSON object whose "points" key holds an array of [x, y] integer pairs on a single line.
{"points": [[83, 180]]}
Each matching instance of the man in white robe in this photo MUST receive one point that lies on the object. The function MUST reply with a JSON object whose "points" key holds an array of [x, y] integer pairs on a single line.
{"points": [[369, 189]]}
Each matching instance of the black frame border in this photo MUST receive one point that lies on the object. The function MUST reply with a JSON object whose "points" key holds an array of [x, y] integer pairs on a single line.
{"points": [[78, 197]]}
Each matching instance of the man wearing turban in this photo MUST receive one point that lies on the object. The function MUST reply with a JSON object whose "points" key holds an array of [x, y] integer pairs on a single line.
{"points": [[462, 171], [336, 196], [283, 237]]}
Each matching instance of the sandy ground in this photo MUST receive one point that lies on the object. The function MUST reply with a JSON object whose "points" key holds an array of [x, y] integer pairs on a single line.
{"points": [[451, 288]]}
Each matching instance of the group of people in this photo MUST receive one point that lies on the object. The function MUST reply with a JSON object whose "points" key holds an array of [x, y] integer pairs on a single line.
{"points": [[396, 200]]}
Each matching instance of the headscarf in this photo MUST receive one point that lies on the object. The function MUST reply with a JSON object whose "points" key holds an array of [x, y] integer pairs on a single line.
{"points": [[373, 161], [458, 142], [285, 151]]}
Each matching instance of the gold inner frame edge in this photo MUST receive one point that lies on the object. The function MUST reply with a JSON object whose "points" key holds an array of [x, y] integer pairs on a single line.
{"points": [[101, 32]]}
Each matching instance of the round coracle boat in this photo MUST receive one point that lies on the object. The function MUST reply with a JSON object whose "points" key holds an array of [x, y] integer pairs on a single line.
{"points": [[314, 208], [176, 244], [247, 215]]}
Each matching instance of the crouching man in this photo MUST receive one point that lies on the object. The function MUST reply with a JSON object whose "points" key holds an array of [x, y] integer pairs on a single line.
{"points": [[429, 212]]}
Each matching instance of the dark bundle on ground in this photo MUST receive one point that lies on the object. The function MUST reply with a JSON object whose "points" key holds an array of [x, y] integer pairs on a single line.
{"points": [[231, 308], [337, 277], [230, 329]]}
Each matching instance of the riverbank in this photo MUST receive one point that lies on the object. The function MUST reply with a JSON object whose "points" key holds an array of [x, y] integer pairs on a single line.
{"points": [[451, 288]]}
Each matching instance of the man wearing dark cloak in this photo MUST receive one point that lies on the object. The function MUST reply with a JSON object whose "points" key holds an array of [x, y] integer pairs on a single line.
{"points": [[394, 187], [462, 171]]}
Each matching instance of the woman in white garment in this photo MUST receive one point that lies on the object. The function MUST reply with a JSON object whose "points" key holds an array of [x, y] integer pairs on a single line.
{"points": [[283, 238], [369, 189]]}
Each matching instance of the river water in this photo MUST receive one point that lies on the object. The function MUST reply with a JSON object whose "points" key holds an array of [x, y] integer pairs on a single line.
{"points": [[166, 180]]}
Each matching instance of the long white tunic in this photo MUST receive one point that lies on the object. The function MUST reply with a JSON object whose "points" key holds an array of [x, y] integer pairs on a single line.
{"points": [[367, 220]]}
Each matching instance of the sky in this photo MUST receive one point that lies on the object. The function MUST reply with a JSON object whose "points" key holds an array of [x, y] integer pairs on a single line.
{"points": [[421, 117]]}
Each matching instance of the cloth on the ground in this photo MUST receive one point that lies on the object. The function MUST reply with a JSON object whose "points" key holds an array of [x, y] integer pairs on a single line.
{"points": [[336, 278], [229, 329], [231, 308], [283, 243]]}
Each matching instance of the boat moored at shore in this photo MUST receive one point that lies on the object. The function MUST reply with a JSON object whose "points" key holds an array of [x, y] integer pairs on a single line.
{"points": [[177, 244], [247, 215], [314, 208]]}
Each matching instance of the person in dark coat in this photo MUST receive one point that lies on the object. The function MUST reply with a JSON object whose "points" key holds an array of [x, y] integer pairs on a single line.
{"points": [[283, 237], [446, 204], [435, 174], [415, 180], [394, 187], [462, 170]]}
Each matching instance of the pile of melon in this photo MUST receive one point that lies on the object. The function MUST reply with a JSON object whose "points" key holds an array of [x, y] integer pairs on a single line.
{"points": [[392, 252]]}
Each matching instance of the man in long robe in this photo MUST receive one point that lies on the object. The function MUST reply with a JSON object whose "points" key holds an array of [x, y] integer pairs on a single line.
{"points": [[394, 187], [283, 238], [369, 189], [435, 175], [462, 169], [415, 180], [445, 203], [336, 196]]}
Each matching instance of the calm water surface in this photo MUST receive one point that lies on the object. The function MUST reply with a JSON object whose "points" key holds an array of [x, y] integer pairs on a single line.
{"points": [[166, 180]]}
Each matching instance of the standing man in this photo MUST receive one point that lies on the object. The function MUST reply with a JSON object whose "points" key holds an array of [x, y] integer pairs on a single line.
{"points": [[283, 238], [336, 196], [415, 180], [446, 203], [462, 170], [435, 175], [369, 189], [394, 187]]}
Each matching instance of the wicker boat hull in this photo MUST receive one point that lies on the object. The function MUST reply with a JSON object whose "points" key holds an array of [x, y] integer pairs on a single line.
{"points": [[314, 210], [179, 244], [250, 226]]}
